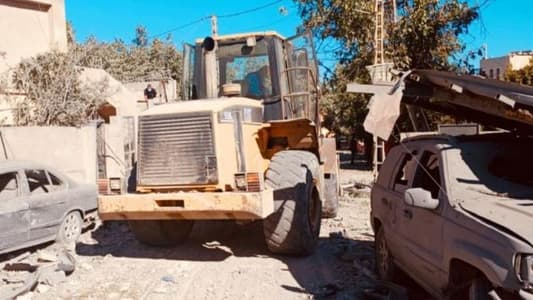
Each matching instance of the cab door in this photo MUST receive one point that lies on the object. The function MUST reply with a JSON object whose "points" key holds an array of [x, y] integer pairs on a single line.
{"points": [[14, 211]]}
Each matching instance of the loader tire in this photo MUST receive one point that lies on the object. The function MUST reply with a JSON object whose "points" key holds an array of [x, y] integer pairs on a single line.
{"points": [[294, 226], [161, 233]]}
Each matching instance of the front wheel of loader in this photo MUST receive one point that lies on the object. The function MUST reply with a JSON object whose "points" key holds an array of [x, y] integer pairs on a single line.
{"points": [[161, 233], [294, 226]]}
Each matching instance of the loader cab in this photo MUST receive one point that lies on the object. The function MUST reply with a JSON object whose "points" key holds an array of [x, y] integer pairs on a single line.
{"points": [[279, 72]]}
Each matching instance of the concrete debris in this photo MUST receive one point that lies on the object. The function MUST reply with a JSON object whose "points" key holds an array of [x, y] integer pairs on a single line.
{"points": [[46, 256], [30, 273], [168, 278], [52, 277]]}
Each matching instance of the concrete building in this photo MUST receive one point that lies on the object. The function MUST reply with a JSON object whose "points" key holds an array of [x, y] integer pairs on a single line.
{"points": [[495, 67], [30, 27]]}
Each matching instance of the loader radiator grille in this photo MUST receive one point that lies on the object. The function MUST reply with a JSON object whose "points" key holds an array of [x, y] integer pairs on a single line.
{"points": [[176, 149]]}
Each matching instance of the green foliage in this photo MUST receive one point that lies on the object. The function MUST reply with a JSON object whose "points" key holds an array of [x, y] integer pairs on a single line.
{"points": [[54, 93], [425, 36], [427, 33], [522, 76]]}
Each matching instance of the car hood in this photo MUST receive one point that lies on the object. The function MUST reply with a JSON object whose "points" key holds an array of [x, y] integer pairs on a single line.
{"points": [[513, 214]]}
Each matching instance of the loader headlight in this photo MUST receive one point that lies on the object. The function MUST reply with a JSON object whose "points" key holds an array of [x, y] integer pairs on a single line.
{"points": [[115, 184], [524, 269]]}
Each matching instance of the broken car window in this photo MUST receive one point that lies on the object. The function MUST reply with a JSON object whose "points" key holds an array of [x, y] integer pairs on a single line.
{"points": [[499, 168], [56, 185], [407, 166], [37, 181], [428, 174], [8, 186]]}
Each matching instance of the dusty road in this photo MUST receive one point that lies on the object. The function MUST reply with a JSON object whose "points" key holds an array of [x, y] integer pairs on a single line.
{"points": [[223, 260]]}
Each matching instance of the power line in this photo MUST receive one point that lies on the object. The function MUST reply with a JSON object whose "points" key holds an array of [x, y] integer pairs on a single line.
{"points": [[181, 26], [249, 10], [230, 15]]}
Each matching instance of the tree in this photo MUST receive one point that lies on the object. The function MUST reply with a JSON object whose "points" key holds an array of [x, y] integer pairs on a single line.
{"points": [[141, 61], [427, 35], [141, 36], [522, 76], [54, 94]]}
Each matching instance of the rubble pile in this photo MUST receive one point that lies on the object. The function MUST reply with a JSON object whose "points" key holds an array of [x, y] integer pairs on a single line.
{"points": [[34, 273]]}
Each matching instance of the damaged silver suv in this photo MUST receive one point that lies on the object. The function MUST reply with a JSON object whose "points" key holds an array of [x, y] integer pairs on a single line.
{"points": [[456, 215]]}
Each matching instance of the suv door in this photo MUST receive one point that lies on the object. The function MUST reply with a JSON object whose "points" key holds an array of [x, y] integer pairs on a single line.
{"points": [[45, 210], [420, 229], [14, 211], [401, 179]]}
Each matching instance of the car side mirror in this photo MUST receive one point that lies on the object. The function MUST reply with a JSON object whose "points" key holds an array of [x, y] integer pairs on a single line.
{"points": [[419, 197]]}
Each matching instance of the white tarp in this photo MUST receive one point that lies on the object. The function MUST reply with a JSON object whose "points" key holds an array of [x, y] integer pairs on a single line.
{"points": [[384, 110], [384, 106]]}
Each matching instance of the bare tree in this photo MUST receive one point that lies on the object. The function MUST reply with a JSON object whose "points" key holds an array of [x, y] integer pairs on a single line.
{"points": [[54, 94]]}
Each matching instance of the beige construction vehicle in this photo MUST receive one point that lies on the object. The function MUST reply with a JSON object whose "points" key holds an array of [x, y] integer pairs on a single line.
{"points": [[244, 144]]}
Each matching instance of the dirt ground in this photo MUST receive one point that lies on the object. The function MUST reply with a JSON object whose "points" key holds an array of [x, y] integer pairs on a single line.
{"points": [[224, 260]]}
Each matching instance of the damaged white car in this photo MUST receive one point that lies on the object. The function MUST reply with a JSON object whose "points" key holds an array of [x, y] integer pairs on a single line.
{"points": [[456, 214], [39, 204]]}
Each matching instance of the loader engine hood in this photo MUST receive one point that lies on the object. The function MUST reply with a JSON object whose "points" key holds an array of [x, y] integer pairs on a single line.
{"points": [[192, 143], [213, 105]]}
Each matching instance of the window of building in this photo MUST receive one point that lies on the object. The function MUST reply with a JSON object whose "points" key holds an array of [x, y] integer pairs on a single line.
{"points": [[491, 73], [498, 73]]}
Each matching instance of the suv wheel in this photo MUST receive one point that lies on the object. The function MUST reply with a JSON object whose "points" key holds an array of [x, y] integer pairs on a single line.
{"points": [[384, 262]]}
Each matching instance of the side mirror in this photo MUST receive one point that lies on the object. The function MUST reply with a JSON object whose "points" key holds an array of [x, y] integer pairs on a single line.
{"points": [[418, 197]]}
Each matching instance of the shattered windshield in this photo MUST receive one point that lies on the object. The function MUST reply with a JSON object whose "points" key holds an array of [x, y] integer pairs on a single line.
{"points": [[500, 168]]}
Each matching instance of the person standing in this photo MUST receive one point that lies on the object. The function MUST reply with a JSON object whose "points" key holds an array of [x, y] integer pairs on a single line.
{"points": [[149, 92]]}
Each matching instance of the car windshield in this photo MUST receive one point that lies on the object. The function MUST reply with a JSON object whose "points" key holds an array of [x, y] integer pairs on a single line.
{"points": [[499, 168]]}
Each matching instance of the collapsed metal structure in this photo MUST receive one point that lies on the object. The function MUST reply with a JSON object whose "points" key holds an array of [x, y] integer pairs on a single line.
{"points": [[486, 101]]}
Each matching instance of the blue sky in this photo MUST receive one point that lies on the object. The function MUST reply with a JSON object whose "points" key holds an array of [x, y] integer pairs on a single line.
{"points": [[505, 24]]}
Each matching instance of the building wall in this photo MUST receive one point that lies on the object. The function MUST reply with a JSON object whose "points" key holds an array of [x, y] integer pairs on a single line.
{"points": [[69, 149], [31, 27], [495, 67], [166, 92], [518, 61]]}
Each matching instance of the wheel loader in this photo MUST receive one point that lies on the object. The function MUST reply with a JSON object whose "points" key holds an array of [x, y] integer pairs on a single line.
{"points": [[244, 144]]}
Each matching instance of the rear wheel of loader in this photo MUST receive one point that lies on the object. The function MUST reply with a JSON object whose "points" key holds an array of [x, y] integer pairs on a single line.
{"points": [[294, 226], [161, 233]]}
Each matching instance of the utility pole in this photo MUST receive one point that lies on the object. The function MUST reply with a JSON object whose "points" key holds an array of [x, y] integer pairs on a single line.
{"points": [[214, 26]]}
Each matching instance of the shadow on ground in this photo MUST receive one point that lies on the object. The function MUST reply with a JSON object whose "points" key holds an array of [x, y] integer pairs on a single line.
{"points": [[322, 274], [327, 274]]}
